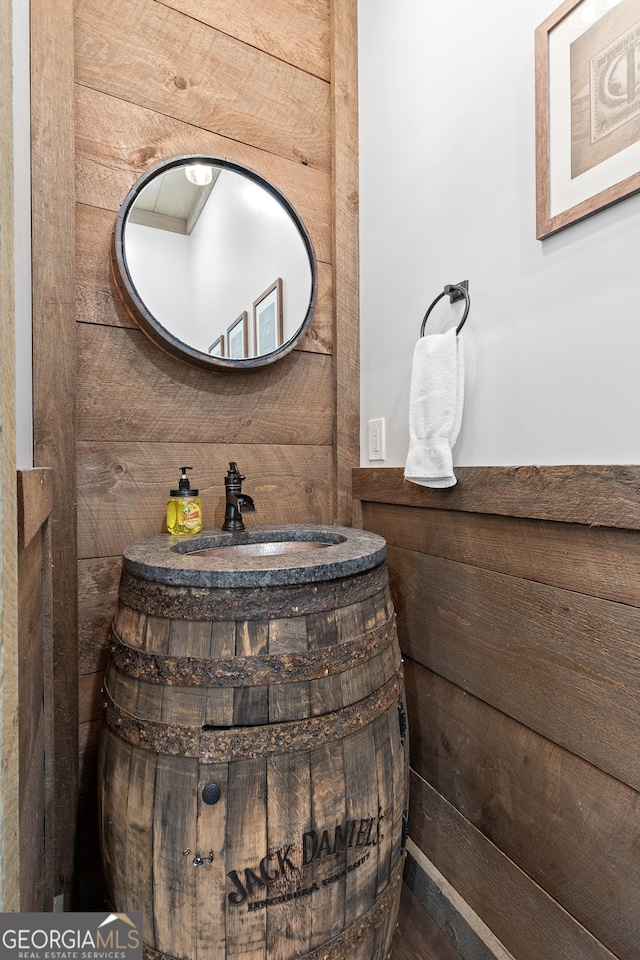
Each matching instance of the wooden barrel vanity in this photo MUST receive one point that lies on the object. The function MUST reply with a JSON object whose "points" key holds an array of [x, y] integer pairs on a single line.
{"points": [[254, 757]]}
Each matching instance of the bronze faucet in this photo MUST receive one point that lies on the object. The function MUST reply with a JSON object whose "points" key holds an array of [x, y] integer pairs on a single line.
{"points": [[237, 502]]}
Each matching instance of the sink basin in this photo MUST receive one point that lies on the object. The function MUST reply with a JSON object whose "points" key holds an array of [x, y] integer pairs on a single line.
{"points": [[265, 549], [261, 555]]}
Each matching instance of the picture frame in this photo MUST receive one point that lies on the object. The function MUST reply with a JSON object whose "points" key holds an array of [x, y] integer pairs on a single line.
{"points": [[268, 320], [217, 347], [587, 110], [237, 341]]}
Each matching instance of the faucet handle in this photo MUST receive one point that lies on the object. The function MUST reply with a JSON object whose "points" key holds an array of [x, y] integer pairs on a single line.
{"points": [[233, 474]]}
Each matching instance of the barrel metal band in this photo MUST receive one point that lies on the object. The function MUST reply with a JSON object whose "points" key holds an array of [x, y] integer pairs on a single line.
{"points": [[248, 603], [251, 671], [357, 932], [225, 744]]}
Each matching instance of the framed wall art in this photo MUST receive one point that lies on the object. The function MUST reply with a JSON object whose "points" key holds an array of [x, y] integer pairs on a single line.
{"points": [[217, 347], [237, 340], [268, 321], [587, 110]]}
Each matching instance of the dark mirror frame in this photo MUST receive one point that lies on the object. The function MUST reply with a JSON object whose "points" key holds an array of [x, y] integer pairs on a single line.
{"points": [[136, 307]]}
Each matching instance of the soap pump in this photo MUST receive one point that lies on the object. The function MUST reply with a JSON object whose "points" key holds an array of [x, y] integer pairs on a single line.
{"points": [[184, 509]]}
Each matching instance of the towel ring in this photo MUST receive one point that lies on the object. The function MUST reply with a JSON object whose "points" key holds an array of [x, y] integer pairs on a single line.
{"points": [[455, 292]]}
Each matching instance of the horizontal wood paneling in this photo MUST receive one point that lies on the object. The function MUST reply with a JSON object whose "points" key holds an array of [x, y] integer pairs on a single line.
{"points": [[97, 300], [599, 561], [98, 580], [566, 665], [109, 133], [519, 618], [128, 389], [529, 923], [131, 482], [103, 307], [542, 806], [95, 223], [116, 141], [95, 227], [208, 78], [595, 495], [293, 30]]}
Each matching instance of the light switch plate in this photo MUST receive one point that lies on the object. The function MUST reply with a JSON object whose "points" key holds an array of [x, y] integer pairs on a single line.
{"points": [[376, 439]]}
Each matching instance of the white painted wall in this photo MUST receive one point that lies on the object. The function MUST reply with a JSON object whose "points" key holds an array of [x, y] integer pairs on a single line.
{"points": [[243, 241], [158, 262], [447, 185]]}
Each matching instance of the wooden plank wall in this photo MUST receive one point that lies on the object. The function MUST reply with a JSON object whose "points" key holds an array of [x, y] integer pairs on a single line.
{"points": [[34, 690], [54, 393], [518, 602], [271, 84], [9, 759]]}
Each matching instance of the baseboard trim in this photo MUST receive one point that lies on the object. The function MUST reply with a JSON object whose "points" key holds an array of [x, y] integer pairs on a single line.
{"points": [[471, 937]]}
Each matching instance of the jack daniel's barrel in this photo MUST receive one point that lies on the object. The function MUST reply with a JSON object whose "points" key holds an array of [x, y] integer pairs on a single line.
{"points": [[254, 760]]}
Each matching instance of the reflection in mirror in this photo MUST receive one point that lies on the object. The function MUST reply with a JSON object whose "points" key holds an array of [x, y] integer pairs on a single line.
{"points": [[214, 263]]}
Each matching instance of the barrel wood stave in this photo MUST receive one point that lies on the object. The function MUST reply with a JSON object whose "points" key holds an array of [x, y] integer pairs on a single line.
{"points": [[301, 857]]}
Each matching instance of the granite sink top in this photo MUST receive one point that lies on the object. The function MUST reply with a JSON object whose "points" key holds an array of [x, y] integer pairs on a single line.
{"points": [[262, 555]]}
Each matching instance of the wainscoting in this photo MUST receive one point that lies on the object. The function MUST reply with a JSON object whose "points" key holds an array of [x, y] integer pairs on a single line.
{"points": [[518, 602]]}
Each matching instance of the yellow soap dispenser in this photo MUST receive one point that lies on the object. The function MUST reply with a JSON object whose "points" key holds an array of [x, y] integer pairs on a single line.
{"points": [[184, 509]]}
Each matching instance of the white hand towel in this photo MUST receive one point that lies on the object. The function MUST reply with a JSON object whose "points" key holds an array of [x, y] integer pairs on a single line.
{"points": [[435, 409]]}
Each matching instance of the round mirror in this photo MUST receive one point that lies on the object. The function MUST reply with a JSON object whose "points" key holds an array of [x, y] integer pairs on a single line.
{"points": [[214, 263]]}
